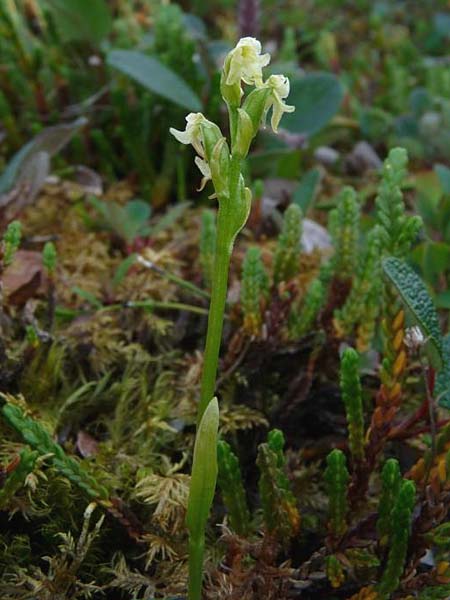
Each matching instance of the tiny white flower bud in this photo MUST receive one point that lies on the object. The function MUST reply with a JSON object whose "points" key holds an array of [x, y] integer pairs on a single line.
{"points": [[204, 170]]}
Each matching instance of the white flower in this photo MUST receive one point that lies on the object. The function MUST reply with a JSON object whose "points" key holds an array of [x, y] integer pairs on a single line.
{"points": [[280, 88], [204, 170], [245, 62], [192, 134]]}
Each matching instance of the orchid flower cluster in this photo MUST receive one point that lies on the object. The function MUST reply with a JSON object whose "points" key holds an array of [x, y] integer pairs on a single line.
{"points": [[243, 64]]}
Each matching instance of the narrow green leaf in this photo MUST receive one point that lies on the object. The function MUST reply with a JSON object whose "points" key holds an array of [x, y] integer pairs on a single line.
{"points": [[418, 302], [154, 76], [204, 470]]}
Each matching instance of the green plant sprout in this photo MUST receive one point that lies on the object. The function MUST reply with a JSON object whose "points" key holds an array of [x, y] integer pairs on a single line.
{"points": [[222, 164], [352, 397], [277, 499], [336, 477], [11, 242], [390, 486], [344, 223], [399, 537], [232, 488], [287, 253], [254, 290]]}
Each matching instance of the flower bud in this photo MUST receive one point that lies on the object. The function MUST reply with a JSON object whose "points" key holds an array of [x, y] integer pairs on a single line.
{"points": [[220, 163], [244, 133], [255, 106], [211, 134]]}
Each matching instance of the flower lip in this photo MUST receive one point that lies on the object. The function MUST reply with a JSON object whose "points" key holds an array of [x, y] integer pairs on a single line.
{"points": [[192, 133], [280, 88], [204, 170]]}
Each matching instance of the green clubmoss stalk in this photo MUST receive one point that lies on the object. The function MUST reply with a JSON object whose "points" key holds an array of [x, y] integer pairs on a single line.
{"points": [[336, 479], [232, 488], [287, 253], [301, 320], [344, 225], [254, 290], [38, 438], [397, 229], [352, 398], [280, 511], [355, 308], [398, 542], [390, 486], [366, 328], [207, 246], [397, 232]]}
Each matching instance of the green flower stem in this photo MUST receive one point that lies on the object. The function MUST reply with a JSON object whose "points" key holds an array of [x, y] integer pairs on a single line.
{"points": [[224, 249], [196, 553]]}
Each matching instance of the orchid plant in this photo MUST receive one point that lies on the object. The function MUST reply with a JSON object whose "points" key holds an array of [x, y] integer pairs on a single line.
{"points": [[220, 161]]}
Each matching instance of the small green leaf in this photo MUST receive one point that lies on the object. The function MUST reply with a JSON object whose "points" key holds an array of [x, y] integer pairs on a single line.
{"points": [[201, 493], [317, 97], [204, 470], [442, 387], [154, 76], [417, 300]]}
